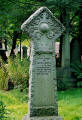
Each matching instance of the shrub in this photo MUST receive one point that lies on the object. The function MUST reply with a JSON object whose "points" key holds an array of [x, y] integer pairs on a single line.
{"points": [[15, 73], [77, 70], [77, 73], [79, 84], [3, 113], [18, 72], [3, 76]]}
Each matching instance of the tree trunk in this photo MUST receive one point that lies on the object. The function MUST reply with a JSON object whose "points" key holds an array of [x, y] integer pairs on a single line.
{"points": [[80, 31], [15, 36], [66, 40], [61, 37]]}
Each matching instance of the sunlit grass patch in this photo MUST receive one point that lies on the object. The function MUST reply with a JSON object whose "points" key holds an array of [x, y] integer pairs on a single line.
{"points": [[17, 111], [16, 103], [69, 104]]}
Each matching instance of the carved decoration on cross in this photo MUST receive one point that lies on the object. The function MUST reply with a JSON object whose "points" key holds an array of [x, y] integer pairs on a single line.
{"points": [[41, 23]]}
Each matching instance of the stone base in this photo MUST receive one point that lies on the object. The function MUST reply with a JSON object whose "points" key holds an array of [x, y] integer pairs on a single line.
{"points": [[43, 118]]}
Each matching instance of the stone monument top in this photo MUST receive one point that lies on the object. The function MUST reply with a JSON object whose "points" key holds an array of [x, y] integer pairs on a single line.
{"points": [[43, 21]]}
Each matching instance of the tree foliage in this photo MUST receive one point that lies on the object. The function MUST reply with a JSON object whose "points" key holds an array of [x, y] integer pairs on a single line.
{"points": [[14, 12]]}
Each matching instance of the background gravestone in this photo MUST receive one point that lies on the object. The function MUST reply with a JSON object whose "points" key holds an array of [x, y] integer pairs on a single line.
{"points": [[3, 49], [24, 51], [43, 29], [75, 51]]}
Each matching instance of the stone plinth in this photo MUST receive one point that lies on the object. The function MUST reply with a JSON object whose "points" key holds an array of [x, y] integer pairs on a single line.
{"points": [[43, 118]]}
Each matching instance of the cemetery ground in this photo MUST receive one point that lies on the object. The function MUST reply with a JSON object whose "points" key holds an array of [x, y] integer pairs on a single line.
{"points": [[69, 103]]}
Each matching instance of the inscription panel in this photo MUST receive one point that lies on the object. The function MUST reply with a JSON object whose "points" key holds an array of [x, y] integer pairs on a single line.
{"points": [[44, 65], [44, 80]]}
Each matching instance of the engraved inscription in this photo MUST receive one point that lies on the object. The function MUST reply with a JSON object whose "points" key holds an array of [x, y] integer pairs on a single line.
{"points": [[43, 66]]}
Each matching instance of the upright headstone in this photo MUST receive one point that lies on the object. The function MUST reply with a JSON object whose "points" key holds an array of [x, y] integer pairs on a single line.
{"points": [[2, 49], [43, 29], [24, 51], [75, 51], [0, 43]]}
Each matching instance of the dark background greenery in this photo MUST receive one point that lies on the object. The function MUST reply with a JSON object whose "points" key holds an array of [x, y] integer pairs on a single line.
{"points": [[14, 13]]}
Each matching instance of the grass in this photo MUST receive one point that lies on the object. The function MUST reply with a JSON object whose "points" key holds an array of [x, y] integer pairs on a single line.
{"points": [[70, 104], [16, 103]]}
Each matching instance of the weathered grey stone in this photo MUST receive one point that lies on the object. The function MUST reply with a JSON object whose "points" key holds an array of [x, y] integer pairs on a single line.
{"points": [[43, 118], [43, 29]]}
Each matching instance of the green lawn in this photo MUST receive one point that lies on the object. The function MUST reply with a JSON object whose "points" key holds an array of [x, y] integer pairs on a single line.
{"points": [[70, 104], [16, 103]]}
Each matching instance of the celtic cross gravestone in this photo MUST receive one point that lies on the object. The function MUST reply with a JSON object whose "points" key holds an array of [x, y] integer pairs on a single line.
{"points": [[43, 29]]}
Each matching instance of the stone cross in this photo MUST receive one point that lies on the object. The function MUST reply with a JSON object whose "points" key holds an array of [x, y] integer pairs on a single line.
{"points": [[43, 29]]}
